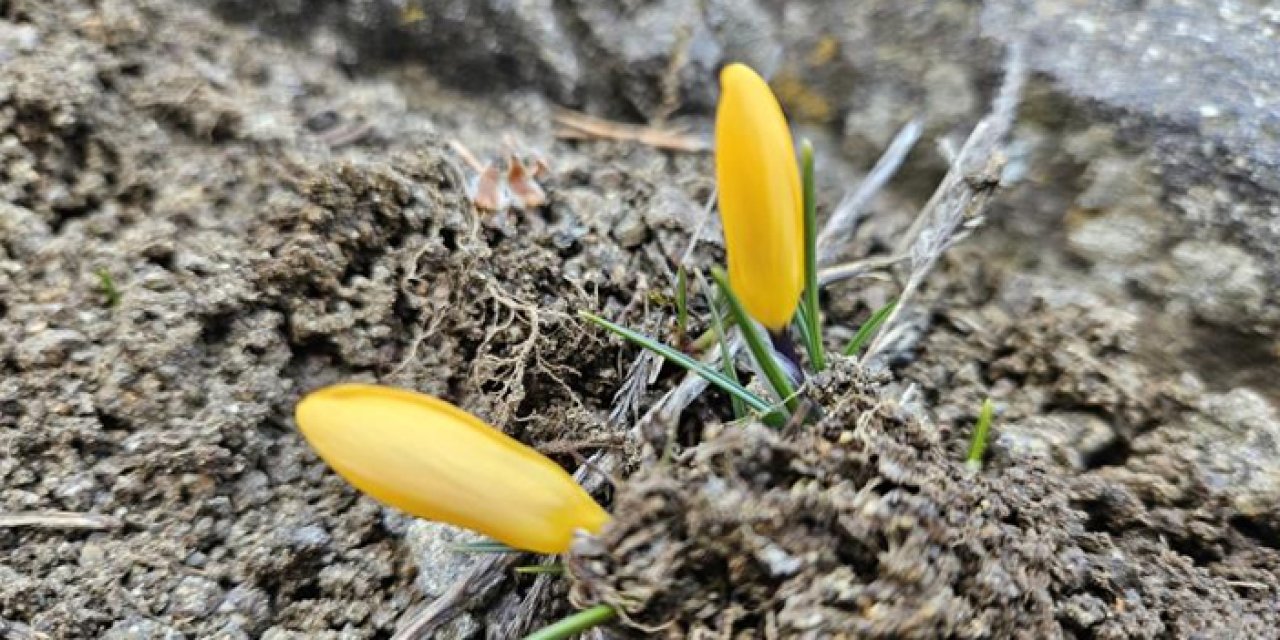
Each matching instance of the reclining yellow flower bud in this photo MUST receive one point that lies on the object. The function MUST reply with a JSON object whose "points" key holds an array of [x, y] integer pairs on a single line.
{"points": [[433, 460], [761, 203]]}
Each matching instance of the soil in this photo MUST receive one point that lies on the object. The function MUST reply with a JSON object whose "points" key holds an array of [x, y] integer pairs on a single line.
{"points": [[206, 212]]}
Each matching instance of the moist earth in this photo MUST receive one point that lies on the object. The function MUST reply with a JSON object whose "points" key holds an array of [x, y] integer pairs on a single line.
{"points": [[208, 209]]}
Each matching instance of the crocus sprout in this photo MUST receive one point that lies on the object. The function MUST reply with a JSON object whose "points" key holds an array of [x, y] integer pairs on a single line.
{"points": [[433, 460], [761, 202]]}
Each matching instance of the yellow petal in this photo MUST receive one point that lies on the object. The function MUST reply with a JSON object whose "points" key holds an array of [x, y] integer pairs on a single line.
{"points": [[431, 459], [760, 198]]}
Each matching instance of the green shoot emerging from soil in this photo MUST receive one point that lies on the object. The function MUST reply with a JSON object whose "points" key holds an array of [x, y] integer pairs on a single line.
{"points": [[770, 285], [980, 433], [108, 285]]}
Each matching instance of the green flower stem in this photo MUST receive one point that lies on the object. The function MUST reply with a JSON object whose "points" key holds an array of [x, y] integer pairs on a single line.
{"points": [[811, 317], [575, 624], [756, 343]]}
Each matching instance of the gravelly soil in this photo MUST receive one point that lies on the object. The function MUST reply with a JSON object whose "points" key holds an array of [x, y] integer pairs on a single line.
{"points": [[275, 217]]}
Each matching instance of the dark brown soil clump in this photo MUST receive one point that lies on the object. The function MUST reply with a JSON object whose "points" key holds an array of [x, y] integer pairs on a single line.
{"points": [[865, 526]]}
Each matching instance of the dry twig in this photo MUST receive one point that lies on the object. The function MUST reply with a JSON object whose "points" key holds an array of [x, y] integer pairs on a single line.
{"points": [[580, 126], [849, 212], [486, 575], [957, 205], [59, 520]]}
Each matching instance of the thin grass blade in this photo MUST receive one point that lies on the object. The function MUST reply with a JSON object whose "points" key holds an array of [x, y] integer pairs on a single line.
{"points": [[801, 323], [707, 373], [756, 343], [575, 624], [868, 328], [484, 546], [811, 317], [726, 358]]}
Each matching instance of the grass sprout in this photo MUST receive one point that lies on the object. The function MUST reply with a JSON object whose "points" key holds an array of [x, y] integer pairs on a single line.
{"points": [[868, 328], [981, 432], [108, 285], [575, 624]]}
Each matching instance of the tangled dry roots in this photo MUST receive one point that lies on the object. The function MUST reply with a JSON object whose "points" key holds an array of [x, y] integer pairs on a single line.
{"points": [[860, 526]]}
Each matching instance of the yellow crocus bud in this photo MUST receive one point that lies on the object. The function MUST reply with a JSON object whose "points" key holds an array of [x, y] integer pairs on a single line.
{"points": [[761, 203], [433, 460]]}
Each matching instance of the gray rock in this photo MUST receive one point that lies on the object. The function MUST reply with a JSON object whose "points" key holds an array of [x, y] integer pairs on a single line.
{"points": [[1121, 236], [1222, 283], [643, 41], [1210, 67], [195, 597], [1066, 438], [138, 628], [1231, 442], [463, 627], [311, 536], [1240, 442], [1193, 86], [17, 38], [251, 602], [47, 347], [617, 56], [630, 231], [439, 564]]}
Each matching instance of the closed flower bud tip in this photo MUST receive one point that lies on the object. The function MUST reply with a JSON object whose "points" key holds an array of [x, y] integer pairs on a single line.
{"points": [[433, 460], [761, 203]]}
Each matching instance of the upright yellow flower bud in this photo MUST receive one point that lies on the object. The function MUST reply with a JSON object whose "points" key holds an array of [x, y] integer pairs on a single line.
{"points": [[433, 460], [761, 204]]}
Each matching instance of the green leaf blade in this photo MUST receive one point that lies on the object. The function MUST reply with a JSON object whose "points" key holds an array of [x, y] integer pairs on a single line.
{"points": [[707, 373], [811, 318], [760, 350], [726, 358], [575, 624], [869, 328]]}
